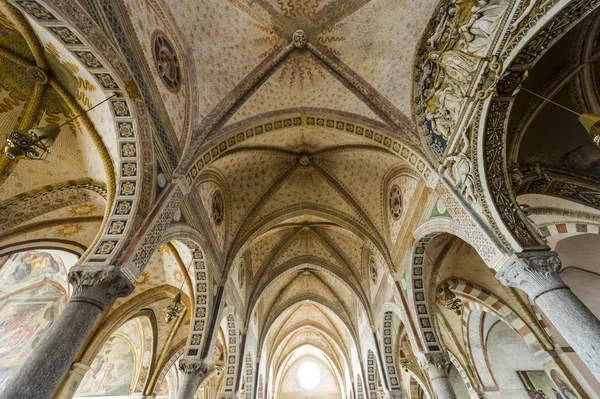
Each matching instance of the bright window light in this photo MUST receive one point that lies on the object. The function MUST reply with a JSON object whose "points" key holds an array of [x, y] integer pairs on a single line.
{"points": [[309, 375]]}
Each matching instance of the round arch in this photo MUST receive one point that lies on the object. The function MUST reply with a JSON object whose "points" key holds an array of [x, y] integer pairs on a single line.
{"points": [[129, 122]]}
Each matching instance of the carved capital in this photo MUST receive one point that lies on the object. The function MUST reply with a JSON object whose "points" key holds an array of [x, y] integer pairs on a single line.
{"points": [[98, 285], [397, 394], [436, 364], [192, 367], [533, 272]]}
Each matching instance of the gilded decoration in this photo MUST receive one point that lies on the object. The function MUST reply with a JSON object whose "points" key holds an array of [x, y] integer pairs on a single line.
{"points": [[457, 41]]}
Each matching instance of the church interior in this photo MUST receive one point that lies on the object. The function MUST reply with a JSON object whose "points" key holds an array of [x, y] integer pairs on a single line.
{"points": [[300, 199]]}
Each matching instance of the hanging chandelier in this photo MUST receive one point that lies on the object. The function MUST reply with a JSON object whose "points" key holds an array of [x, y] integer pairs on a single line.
{"points": [[35, 144], [32, 145], [174, 309]]}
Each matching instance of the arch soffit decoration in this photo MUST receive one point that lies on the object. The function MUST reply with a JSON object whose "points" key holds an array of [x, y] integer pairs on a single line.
{"points": [[528, 45], [86, 42], [476, 298], [318, 265], [202, 275], [318, 302], [415, 276], [286, 335], [328, 351], [122, 314]]}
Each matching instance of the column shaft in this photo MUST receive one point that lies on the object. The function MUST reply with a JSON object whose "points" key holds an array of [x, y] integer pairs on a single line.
{"points": [[536, 273], [436, 365], [576, 323], [44, 370], [443, 389]]}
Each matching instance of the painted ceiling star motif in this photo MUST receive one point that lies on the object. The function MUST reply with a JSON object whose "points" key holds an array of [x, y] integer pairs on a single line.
{"points": [[69, 230], [83, 210]]}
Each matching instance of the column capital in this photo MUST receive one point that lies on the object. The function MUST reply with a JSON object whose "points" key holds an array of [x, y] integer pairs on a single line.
{"points": [[192, 366], [533, 272], [98, 285], [436, 364], [397, 394]]}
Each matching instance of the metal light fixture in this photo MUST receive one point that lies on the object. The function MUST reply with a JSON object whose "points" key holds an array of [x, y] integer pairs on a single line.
{"points": [[591, 122], [35, 144], [174, 309]]}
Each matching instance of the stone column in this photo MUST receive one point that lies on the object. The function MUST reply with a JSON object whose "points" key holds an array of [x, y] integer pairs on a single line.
{"points": [[536, 273], [436, 365], [94, 290], [190, 372]]}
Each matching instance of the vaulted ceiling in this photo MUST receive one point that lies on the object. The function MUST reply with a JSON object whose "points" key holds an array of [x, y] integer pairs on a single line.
{"points": [[299, 212]]}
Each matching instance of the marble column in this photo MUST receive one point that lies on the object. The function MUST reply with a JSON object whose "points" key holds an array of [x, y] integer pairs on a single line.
{"points": [[190, 372], [94, 290], [536, 273], [436, 365]]}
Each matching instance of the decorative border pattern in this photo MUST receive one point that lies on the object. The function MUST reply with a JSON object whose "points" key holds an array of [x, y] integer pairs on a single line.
{"points": [[201, 299], [477, 238], [493, 136], [359, 388], [128, 162], [379, 138], [33, 204], [463, 375], [563, 183], [372, 375], [232, 358], [166, 369], [478, 299], [569, 227], [259, 391], [248, 387], [122, 40], [425, 324], [388, 352], [152, 236]]}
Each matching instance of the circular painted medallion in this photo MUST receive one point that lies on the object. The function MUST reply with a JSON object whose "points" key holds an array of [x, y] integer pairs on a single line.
{"points": [[166, 61], [373, 267], [217, 208], [396, 202]]}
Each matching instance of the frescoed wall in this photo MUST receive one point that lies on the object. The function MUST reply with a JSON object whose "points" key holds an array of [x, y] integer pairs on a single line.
{"points": [[21, 269], [33, 292], [122, 365]]}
